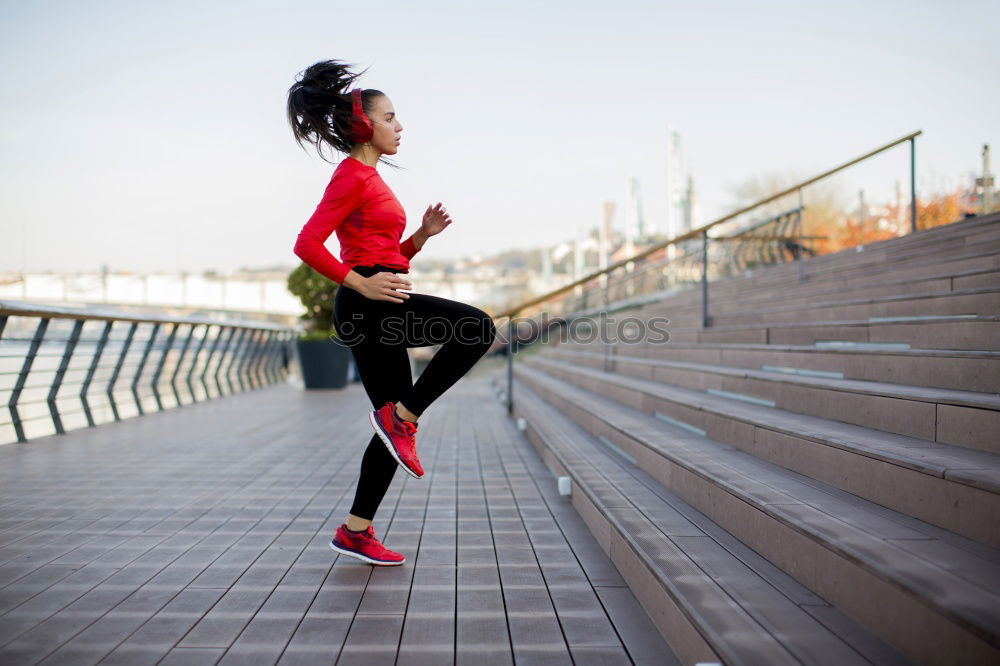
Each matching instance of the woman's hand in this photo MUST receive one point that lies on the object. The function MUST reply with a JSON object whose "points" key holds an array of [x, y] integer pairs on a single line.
{"points": [[383, 287], [435, 220]]}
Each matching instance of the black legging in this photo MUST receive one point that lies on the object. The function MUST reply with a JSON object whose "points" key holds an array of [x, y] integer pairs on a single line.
{"points": [[378, 334]]}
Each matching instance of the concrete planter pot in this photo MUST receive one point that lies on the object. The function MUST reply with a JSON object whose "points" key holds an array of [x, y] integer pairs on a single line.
{"points": [[324, 363]]}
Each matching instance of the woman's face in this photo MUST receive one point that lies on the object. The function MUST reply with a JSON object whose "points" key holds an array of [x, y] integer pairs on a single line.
{"points": [[387, 127]]}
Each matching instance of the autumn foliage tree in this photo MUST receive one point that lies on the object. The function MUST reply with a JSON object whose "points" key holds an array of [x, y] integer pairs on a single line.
{"points": [[831, 225]]}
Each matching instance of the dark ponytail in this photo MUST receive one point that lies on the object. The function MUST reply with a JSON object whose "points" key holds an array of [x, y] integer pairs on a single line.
{"points": [[319, 106]]}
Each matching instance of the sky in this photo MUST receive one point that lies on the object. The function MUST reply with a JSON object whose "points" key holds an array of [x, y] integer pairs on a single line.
{"points": [[151, 136]]}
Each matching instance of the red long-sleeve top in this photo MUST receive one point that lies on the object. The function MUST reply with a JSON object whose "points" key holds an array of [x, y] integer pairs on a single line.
{"points": [[367, 217]]}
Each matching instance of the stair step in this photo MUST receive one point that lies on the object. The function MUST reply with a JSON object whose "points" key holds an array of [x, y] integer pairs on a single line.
{"points": [[775, 284], [851, 344], [962, 333], [901, 364], [774, 281], [882, 257], [712, 597], [804, 372], [792, 292], [927, 306], [962, 418], [923, 317], [938, 609], [802, 377], [893, 470]]}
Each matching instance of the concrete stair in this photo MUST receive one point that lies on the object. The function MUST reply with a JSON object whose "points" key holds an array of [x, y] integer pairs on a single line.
{"points": [[945, 259], [815, 477], [893, 470], [974, 370], [934, 414], [713, 597], [928, 592]]}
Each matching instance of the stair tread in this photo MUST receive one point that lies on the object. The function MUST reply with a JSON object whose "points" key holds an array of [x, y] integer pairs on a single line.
{"points": [[771, 277], [920, 393], [872, 254], [812, 349], [731, 463], [760, 307], [973, 467], [728, 594], [806, 289], [972, 602], [978, 319]]}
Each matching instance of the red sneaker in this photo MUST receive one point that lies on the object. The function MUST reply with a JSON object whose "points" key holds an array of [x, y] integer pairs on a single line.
{"points": [[365, 547], [398, 436]]}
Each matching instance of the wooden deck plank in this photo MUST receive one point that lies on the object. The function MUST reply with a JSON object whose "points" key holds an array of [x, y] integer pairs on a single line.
{"points": [[583, 620], [200, 535], [428, 635]]}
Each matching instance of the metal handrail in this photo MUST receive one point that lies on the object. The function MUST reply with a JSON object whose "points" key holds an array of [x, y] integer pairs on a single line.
{"points": [[194, 360], [702, 234], [696, 233], [26, 309]]}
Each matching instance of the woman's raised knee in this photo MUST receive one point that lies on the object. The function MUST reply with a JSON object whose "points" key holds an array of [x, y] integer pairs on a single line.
{"points": [[477, 328], [491, 330]]}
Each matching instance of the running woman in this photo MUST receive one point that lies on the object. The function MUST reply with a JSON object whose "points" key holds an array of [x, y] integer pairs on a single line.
{"points": [[373, 314]]}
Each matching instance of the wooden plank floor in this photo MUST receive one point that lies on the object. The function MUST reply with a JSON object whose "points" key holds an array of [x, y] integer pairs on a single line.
{"points": [[199, 536]]}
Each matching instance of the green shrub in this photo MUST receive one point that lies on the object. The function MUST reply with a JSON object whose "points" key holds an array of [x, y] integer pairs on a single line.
{"points": [[316, 293]]}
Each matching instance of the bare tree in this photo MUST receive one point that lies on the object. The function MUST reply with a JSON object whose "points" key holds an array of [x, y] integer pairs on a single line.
{"points": [[824, 203]]}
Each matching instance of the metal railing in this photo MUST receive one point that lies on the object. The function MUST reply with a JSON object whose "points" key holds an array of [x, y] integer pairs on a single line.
{"points": [[684, 261], [64, 367]]}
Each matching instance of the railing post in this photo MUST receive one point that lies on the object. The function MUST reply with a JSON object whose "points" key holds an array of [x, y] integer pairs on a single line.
{"points": [[260, 361], [704, 279], [118, 368], [280, 351], [22, 378], [274, 351], [180, 362], [228, 372], [194, 362], [239, 357], [74, 337], [94, 361], [798, 226], [510, 366], [142, 364], [913, 185], [242, 368], [260, 368], [222, 356], [604, 330], [247, 368], [155, 381]]}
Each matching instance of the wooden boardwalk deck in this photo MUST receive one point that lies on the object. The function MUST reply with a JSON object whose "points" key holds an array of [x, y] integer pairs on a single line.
{"points": [[199, 536]]}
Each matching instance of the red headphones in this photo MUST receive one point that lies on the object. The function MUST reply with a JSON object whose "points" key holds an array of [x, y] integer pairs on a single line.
{"points": [[361, 125]]}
